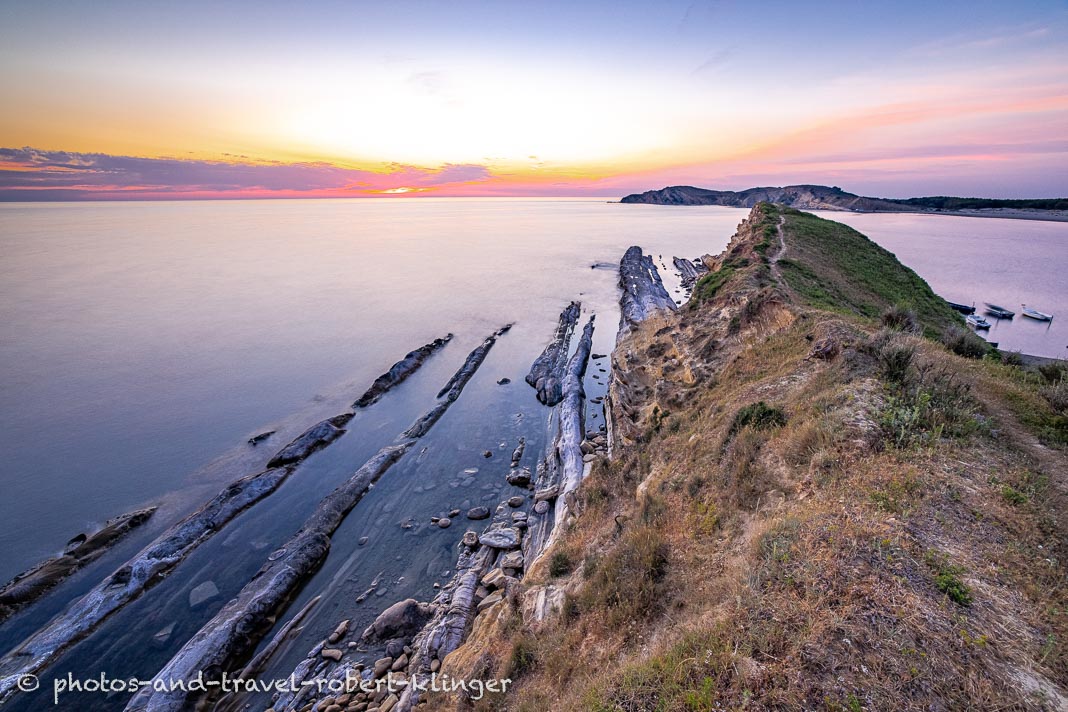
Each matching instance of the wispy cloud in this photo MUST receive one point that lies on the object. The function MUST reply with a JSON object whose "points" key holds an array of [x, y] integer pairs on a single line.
{"points": [[33, 174]]}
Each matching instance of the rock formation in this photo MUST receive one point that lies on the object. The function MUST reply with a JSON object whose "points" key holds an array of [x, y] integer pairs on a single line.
{"points": [[546, 373], [643, 290], [400, 371]]}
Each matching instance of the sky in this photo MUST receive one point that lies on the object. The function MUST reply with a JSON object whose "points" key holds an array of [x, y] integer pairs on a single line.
{"points": [[110, 99]]}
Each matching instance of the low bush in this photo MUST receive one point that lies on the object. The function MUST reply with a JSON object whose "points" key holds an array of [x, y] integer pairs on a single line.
{"points": [[560, 564], [899, 318], [627, 583], [964, 343]]}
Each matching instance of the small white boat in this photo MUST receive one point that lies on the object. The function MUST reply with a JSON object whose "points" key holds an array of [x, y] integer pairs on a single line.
{"points": [[1036, 314], [977, 321]]}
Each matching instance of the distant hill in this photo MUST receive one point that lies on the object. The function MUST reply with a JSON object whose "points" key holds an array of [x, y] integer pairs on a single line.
{"points": [[821, 197]]}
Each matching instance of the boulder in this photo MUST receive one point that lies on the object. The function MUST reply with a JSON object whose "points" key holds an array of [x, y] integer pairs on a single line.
{"points": [[500, 538], [512, 560], [401, 620], [519, 477]]}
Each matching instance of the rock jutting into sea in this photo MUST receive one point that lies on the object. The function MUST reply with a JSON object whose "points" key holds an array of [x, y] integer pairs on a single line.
{"points": [[546, 373], [33, 583], [452, 389], [643, 290], [561, 468], [400, 371], [314, 438]]}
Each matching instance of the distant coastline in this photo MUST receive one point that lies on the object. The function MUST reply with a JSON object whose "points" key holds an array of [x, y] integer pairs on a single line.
{"points": [[820, 197]]}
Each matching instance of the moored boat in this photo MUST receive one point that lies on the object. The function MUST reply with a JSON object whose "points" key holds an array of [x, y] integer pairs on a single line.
{"points": [[1036, 314], [999, 312], [977, 321], [962, 308]]}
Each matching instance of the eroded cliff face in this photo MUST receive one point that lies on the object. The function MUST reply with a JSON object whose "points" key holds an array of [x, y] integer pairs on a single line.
{"points": [[804, 508]]}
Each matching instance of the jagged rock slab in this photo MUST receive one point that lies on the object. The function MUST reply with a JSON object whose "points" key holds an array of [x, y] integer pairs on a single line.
{"points": [[546, 373], [400, 371], [562, 468], [456, 384], [314, 438], [30, 585], [643, 290], [689, 271]]}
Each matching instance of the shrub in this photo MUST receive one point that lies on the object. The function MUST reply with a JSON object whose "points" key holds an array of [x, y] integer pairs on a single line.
{"points": [[1012, 358], [896, 361], [947, 579], [899, 318], [759, 415], [948, 582], [1056, 395], [1012, 495], [1052, 371], [627, 583], [964, 343], [560, 564], [523, 657]]}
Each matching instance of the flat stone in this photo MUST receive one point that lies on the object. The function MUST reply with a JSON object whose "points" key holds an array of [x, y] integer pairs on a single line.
{"points": [[541, 507], [400, 663], [478, 513], [444, 522], [331, 654], [339, 632], [589, 458], [470, 538], [493, 579], [500, 538], [490, 600], [512, 560], [547, 494], [203, 593], [164, 635], [516, 501]]}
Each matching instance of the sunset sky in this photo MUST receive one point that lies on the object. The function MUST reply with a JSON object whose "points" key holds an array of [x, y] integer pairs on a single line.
{"points": [[116, 99]]}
